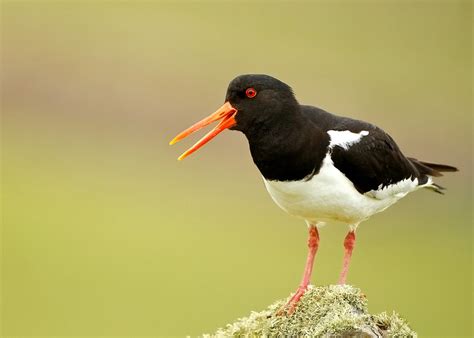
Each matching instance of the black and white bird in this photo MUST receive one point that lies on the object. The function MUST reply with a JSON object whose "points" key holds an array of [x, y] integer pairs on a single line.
{"points": [[317, 166]]}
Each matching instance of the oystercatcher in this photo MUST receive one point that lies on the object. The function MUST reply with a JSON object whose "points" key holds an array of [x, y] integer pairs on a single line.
{"points": [[316, 165]]}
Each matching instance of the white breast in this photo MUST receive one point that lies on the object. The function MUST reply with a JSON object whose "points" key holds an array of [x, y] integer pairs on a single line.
{"points": [[331, 196]]}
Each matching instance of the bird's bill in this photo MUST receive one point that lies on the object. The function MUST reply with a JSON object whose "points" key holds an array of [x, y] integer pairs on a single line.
{"points": [[226, 114]]}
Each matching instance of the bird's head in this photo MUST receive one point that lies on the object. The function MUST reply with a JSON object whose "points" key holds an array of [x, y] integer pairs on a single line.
{"points": [[251, 102]]}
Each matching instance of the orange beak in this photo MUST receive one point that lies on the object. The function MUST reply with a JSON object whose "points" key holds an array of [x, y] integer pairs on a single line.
{"points": [[226, 113]]}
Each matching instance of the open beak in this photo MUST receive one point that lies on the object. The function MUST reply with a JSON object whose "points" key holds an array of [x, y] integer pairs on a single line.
{"points": [[226, 114]]}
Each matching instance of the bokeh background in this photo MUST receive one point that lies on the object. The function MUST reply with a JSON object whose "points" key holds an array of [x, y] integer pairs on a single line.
{"points": [[106, 234]]}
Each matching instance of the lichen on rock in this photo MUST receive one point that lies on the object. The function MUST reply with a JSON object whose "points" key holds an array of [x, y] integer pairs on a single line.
{"points": [[329, 311]]}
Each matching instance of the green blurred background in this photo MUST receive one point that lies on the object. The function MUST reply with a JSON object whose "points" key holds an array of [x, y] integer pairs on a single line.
{"points": [[106, 234]]}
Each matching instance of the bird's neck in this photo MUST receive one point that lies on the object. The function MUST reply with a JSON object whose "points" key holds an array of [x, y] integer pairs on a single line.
{"points": [[292, 149]]}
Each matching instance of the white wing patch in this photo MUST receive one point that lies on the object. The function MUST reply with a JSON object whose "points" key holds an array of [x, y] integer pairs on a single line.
{"points": [[345, 138]]}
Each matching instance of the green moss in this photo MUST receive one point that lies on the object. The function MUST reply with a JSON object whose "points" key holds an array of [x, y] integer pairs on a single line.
{"points": [[335, 310]]}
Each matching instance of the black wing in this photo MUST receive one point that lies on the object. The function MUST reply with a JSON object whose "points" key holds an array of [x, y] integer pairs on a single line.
{"points": [[375, 162]]}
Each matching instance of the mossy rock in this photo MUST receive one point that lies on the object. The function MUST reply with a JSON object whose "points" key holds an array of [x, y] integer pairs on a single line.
{"points": [[329, 311]]}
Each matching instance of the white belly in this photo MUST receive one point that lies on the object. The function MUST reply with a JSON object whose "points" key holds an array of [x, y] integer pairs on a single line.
{"points": [[331, 196]]}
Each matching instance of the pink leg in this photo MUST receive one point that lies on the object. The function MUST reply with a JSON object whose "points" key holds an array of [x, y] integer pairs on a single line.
{"points": [[349, 243], [313, 243]]}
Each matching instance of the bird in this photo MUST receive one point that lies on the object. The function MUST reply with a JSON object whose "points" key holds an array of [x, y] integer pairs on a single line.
{"points": [[317, 166]]}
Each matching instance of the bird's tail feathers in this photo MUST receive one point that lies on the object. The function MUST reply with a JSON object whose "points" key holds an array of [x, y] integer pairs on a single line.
{"points": [[432, 169], [436, 188], [428, 170]]}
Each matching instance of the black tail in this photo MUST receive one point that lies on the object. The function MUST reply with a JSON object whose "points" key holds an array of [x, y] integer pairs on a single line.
{"points": [[432, 169]]}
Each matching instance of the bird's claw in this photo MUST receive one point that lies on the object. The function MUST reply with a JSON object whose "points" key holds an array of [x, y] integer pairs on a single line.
{"points": [[290, 307]]}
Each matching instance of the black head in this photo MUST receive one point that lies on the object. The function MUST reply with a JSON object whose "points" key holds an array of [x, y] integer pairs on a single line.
{"points": [[257, 105], [259, 100]]}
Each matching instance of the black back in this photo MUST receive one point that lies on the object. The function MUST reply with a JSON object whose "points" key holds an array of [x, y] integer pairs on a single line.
{"points": [[297, 154]]}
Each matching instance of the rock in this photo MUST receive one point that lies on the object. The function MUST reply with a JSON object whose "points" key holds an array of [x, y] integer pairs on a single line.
{"points": [[329, 311]]}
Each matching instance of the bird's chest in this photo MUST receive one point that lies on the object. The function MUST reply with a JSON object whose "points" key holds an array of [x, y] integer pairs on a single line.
{"points": [[327, 196], [281, 154]]}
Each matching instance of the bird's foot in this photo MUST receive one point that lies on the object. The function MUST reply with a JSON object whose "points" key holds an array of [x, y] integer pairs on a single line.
{"points": [[290, 306]]}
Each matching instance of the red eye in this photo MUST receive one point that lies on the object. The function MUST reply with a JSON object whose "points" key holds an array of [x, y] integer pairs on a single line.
{"points": [[251, 93]]}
